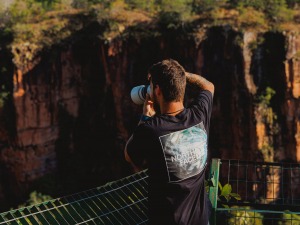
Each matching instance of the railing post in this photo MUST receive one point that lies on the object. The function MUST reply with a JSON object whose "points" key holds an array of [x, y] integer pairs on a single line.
{"points": [[213, 187]]}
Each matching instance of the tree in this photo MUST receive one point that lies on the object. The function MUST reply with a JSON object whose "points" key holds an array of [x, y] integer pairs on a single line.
{"points": [[256, 4], [275, 9], [200, 6], [149, 5], [293, 3]]}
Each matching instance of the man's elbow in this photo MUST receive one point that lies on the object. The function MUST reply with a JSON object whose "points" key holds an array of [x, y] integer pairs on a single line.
{"points": [[210, 87], [127, 158]]}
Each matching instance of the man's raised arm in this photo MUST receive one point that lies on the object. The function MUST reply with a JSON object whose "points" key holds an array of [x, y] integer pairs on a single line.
{"points": [[199, 82]]}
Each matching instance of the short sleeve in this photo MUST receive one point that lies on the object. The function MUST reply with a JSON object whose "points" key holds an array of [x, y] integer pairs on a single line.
{"points": [[202, 106]]}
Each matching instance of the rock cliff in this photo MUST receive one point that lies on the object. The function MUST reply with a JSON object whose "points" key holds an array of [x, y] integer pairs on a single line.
{"points": [[70, 114]]}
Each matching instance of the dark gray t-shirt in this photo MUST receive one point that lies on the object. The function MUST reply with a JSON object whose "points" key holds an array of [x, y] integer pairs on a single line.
{"points": [[175, 151]]}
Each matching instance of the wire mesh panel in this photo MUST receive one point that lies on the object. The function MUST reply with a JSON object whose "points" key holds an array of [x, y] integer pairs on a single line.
{"points": [[245, 215], [263, 183], [270, 193], [119, 202]]}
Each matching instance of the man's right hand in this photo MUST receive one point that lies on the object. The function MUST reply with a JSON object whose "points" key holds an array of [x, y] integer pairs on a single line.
{"points": [[148, 109]]}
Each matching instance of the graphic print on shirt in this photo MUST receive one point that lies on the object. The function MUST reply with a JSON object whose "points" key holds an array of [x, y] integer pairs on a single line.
{"points": [[185, 152]]}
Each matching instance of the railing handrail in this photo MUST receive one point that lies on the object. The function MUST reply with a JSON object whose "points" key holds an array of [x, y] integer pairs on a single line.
{"points": [[245, 162]]}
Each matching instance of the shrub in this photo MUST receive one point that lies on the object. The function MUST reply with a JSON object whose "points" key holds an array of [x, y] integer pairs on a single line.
{"points": [[256, 4], [200, 6], [250, 17], [22, 10], [290, 219], [35, 198], [244, 215], [276, 10], [183, 8], [148, 6]]}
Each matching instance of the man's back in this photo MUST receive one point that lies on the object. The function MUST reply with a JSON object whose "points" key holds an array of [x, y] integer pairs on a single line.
{"points": [[175, 148]]}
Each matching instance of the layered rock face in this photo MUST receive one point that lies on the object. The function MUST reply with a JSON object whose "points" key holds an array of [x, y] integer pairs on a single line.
{"points": [[71, 114], [291, 106]]}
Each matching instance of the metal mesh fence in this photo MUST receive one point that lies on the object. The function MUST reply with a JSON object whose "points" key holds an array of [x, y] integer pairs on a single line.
{"points": [[241, 216], [270, 192], [119, 202], [263, 183]]}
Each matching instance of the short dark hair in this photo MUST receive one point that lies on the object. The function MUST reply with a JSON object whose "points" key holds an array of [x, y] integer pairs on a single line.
{"points": [[169, 75]]}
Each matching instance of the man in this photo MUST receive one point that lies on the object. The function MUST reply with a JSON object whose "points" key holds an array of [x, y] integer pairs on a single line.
{"points": [[171, 141]]}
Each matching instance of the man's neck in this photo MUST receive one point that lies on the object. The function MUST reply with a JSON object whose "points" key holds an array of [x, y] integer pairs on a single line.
{"points": [[172, 108]]}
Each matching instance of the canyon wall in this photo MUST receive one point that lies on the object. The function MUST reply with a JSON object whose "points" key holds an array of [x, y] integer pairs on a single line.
{"points": [[69, 115]]}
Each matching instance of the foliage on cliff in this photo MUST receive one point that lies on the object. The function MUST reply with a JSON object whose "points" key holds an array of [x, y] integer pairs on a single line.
{"points": [[39, 24], [35, 198], [267, 121]]}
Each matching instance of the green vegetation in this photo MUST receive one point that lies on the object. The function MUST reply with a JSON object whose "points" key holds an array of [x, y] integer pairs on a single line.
{"points": [[266, 116], [3, 95], [240, 215], [226, 192], [35, 198], [254, 45], [289, 219], [244, 215], [236, 214], [39, 24]]}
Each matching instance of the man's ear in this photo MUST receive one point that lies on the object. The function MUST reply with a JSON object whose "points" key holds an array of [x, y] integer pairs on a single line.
{"points": [[157, 90]]}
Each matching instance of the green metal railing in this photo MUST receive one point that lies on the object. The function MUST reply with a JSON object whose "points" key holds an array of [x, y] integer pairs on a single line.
{"points": [[119, 202], [270, 192]]}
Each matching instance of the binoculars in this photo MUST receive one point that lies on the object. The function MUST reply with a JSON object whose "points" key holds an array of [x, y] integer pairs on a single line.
{"points": [[138, 94]]}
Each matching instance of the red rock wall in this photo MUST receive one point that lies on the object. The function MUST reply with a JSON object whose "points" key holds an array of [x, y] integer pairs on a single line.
{"points": [[291, 107], [73, 113]]}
